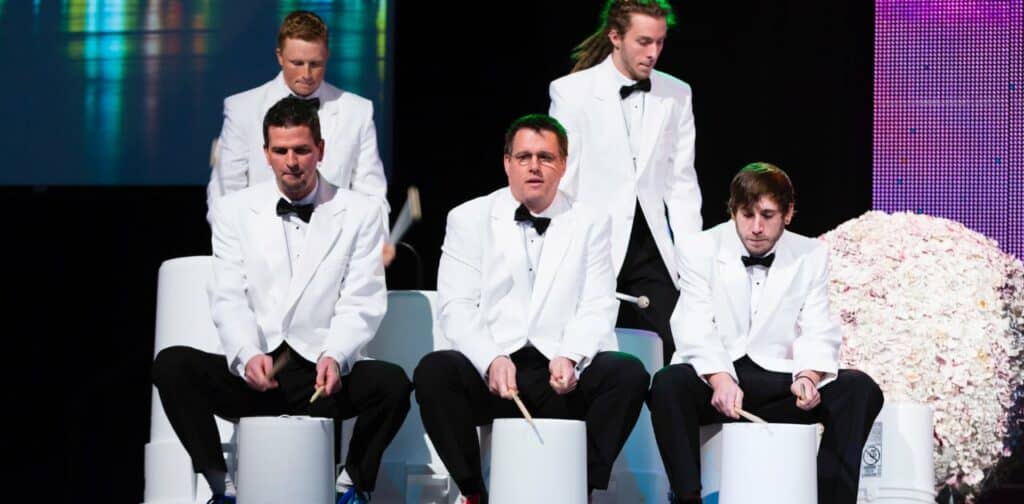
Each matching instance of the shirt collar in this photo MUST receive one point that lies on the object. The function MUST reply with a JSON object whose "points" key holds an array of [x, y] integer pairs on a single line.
{"points": [[619, 77]]}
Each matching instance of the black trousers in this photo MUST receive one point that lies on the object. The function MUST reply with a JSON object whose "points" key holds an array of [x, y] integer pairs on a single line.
{"points": [[454, 399], [194, 386], [643, 273], [680, 403]]}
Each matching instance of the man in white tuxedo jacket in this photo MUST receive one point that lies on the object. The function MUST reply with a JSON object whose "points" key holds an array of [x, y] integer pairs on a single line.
{"points": [[296, 270], [351, 160], [753, 331], [525, 292], [631, 151]]}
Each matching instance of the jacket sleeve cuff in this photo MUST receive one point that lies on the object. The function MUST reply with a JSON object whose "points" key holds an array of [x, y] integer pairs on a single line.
{"points": [[244, 355], [339, 356], [827, 375], [705, 367]]}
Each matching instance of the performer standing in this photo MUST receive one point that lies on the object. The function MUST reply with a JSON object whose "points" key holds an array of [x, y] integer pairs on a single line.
{"points": [[631, 137], [526, 293], [296, 268], [351, 160], [753, 331]]}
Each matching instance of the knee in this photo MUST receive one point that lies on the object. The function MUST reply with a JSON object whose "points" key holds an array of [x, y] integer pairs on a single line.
{"points": [[433, 369], [632, 374], [671, 380], [393, 380], [170, 365], [865, 388]]}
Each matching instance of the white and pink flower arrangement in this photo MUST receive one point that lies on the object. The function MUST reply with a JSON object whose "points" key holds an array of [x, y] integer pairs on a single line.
{"points": [[934, 312]]}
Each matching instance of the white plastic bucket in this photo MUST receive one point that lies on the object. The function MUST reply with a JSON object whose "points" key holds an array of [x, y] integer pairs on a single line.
{"points": [[739, 461], [285, 459], [548, 464], [897, 463]]}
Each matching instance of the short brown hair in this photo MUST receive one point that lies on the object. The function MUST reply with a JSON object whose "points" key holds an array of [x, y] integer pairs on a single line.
{"points": [[538, 123], [760, 179], [289, 112], [302, 25]]}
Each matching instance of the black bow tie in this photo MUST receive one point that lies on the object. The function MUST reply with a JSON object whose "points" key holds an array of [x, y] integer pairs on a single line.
{"points": [[314, 102], [641, 85], [765, 261], [284, 207], [539, 223]]}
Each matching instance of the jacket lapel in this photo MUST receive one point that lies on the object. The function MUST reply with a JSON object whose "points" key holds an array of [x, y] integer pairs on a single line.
{"points": [[780, 276], [276, 91], [734, 277], [330, 102], [268, 234], [556, 243], [508, 240], [324, 230], [655, 109], [609, 105]]}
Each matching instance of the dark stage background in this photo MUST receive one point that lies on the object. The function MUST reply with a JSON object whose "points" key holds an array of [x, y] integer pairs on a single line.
{"points": [[786, 81]]}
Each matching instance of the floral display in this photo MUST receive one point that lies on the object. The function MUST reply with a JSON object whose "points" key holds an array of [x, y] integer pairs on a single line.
{"points": [[934, 312]]}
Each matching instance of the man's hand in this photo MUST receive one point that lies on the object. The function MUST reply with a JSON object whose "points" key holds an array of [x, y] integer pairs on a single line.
{"points": [[256, 373], [389, 254], [805, 388], [501, 377], [727, 396], [328, 375], [563, 375]]}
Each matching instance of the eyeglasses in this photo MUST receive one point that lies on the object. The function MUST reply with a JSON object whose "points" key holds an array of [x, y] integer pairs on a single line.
{"points": [[544, 158]]}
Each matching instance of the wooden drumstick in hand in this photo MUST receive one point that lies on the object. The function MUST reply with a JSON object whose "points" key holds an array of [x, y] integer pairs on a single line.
{"points": [[750, 416], [279, 363], [522, 409], [316, 395]]}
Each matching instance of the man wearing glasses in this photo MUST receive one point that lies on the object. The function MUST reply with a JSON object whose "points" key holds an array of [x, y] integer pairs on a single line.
{"points": [[526, 293]]}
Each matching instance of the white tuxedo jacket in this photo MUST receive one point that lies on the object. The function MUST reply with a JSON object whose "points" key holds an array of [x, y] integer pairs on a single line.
{"points": [[572, 308], [792, 329], [351, 159], [600, 168], [333, 301]]}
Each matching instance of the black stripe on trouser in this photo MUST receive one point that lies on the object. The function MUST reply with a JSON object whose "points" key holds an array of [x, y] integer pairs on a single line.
{"points": [[194, 386], [643, 272], [680, 403], [454, 400]]}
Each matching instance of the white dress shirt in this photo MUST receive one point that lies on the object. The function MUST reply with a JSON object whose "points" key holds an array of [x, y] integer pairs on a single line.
{"points": [[632, 115], [757, 274], [295, 228]]}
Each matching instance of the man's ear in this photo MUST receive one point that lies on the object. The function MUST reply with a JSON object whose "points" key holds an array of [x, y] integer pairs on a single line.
{"points": [[615, 37]]}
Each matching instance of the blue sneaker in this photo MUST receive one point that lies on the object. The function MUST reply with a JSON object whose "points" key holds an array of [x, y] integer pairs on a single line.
{"points": [[221, 499], [353, 496], [688, 500]]}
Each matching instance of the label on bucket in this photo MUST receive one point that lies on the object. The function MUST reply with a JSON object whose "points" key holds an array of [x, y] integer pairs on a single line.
{"points": [[871, 457]]}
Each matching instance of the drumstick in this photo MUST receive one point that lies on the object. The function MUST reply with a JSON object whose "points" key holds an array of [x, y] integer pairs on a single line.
{"points": [[316, 395], [750, 416], [411, 212], [522, 409], [279, 364], [214, 153], [803, 392], [641, 302]]}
